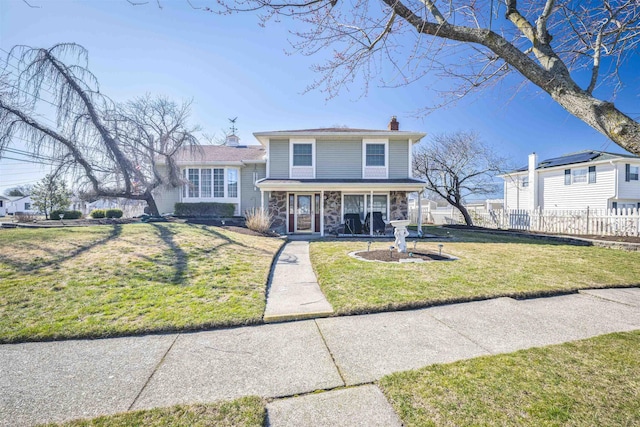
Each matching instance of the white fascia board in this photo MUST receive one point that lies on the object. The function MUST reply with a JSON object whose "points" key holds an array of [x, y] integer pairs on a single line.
{"points": [[351, 187], [262, 137], [210, 163]]}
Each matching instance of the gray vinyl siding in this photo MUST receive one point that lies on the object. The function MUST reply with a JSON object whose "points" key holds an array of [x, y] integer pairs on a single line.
{"points": [[279, 159], [166, 198], [249, 195], [398, 159], [338, 159]]}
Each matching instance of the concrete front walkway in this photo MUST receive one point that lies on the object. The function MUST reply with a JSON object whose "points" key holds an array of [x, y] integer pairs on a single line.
{"points": [[55, 381], [293, 291]]}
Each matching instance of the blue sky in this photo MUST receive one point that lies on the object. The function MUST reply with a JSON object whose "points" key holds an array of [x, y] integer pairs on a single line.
{"points": [[231, 66]]}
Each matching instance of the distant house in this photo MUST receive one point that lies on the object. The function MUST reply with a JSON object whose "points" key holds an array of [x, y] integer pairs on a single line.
{"points": [[20, 204], [3, 205], [591, 178]]}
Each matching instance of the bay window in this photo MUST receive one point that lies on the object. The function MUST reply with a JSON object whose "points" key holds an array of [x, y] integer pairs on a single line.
{"points": [[232, 182], [218, 183], [207, 183]]}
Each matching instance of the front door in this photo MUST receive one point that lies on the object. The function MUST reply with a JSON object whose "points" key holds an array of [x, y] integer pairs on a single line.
{"points": [[304, 213]]}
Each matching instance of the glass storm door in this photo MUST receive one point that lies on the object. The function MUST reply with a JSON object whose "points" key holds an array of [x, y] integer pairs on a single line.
{"points": [[304, 213]]}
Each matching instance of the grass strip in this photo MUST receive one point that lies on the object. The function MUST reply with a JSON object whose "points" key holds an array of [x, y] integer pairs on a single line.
{"points": [[593, 382], [244, 412]]}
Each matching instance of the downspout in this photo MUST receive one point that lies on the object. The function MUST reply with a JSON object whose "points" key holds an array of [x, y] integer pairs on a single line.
{"points": [[615, 180]]}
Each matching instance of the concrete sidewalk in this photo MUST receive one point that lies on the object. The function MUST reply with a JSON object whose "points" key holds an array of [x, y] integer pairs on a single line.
{"points": [[42, 382], [293, 292]]}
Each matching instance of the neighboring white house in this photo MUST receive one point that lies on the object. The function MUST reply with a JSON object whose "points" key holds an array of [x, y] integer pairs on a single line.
{"points": [[587, 179], [3, 205], [20, 204]]}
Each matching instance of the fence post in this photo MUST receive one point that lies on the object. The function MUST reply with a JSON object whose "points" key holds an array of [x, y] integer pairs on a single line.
{"points": [[587, 220]]}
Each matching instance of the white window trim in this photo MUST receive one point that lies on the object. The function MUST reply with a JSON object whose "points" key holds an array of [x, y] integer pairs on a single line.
{"points": [[573, 176], [365, 142], [292, 168], [225, 199]]}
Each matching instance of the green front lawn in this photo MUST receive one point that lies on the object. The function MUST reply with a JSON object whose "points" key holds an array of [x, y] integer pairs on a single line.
{"points": [[103, 281], [244, 412], [594, 382], [488, 266]]}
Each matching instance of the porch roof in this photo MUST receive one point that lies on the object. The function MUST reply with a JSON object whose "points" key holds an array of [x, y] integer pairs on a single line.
{"points": [[403, 184]]}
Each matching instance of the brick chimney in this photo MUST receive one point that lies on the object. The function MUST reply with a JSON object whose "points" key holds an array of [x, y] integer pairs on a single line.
{"points": [[394, 124]]}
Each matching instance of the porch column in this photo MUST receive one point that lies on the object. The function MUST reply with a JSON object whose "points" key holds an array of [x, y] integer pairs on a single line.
{"points": [[420, 213], [371, 215], [321, 213]]}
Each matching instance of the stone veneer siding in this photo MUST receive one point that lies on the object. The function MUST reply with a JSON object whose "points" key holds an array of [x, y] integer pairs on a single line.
{"points": [[332, 210], [399, 209], [399, 206], [278, 211]]}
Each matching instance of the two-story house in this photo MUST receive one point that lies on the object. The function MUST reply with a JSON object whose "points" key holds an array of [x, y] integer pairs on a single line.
{"points": [[317, 176], [308, 180], [591, 178]]}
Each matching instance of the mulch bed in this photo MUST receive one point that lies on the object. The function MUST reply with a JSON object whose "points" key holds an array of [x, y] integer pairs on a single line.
{"points": [[384, 255], [245, 230]]}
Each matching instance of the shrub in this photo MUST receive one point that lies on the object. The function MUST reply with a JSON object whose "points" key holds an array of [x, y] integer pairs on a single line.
{"points": [[113, 213], [25, 216], [204, 209], [98, 213], [67, 214], [257, 219]]}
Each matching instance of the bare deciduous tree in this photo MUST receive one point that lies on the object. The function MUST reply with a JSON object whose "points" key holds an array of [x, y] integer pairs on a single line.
{"points": [[456, 166], [570, 49], [112, 149]]}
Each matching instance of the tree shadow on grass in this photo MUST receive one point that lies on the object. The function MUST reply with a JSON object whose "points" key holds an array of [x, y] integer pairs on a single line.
{"points": [[180, 256], [115, 232], [228, 240]]}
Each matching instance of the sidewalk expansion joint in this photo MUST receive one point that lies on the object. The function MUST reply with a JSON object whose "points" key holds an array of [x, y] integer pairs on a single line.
{"points": [[603, 298], [146, 383], [333, 359], [319, 391], [462, 335]]}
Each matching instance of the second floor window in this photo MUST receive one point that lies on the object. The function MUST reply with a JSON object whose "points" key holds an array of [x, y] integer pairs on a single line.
{"points": [[579, 175], [631, 172], [302, 155], [525, 182], [592, 174], [375, 155]]}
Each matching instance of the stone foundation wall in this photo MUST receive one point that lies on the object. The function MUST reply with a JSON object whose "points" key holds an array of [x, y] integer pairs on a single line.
{"points": [[398, 205], [332, 209], [278, 211]]}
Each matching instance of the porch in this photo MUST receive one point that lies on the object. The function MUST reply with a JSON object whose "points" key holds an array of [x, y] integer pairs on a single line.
{"points": [[358, 209]]}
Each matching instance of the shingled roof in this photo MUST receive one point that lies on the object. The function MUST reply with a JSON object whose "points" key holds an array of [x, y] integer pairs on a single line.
{"points": [[221, 153]]}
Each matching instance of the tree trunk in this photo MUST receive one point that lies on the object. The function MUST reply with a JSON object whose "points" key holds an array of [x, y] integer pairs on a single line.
{"points": [[465, 213], [153, 208]]}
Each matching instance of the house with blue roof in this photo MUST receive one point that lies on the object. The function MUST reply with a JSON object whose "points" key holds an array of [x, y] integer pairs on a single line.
{"points": [[586, 179]]}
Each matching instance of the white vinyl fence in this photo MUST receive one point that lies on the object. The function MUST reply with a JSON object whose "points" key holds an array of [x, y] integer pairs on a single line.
{"points": [[605, 222]]}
